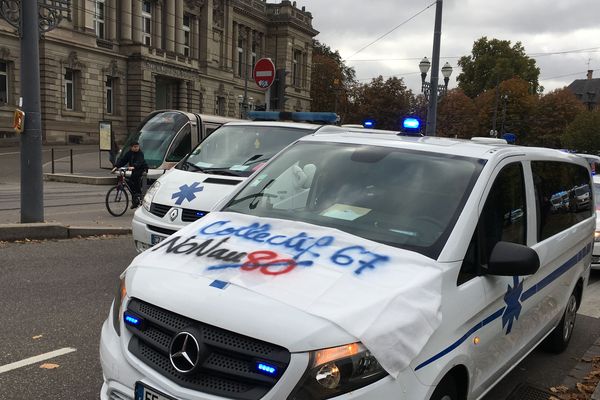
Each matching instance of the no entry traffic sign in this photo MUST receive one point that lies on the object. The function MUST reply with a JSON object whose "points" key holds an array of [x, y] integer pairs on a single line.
{"points": [[264, 73]]}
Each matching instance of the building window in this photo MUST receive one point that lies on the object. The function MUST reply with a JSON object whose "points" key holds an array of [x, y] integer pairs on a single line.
{"points": [[109, 85], [147, 23], [296, 68], [99, 15], [220, 106], [240, 50], [3, 82], [69, 89], [187, 34]]}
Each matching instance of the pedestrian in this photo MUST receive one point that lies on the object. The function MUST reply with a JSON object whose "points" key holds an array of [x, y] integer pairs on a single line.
{"points": [[135, 162]]}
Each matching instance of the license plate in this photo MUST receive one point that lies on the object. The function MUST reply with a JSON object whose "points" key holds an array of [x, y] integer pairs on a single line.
{"points": [[143, 392], [156, 239]]}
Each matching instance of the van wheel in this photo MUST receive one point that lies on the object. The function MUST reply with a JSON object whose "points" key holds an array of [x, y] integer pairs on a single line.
{"points": [[559, 339], [445, 390]]}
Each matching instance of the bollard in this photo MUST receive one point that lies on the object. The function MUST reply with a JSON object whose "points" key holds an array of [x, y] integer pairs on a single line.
{"points": [[71, 154], [52, 155]]}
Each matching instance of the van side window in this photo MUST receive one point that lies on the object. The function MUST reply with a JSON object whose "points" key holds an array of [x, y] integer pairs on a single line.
{"points": [[503, 218], [563, 196], [182, 145]]}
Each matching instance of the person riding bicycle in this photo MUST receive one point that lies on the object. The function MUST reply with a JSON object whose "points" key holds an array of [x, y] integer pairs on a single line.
{"points": [[135, 162]]}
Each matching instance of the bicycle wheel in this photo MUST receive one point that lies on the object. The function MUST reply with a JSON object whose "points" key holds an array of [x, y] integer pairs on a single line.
{"points": [[117, 201]]}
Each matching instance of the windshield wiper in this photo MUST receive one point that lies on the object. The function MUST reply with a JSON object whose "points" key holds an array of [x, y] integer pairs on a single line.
{"points": [[254, 157], [221, 171], [186, 166]]}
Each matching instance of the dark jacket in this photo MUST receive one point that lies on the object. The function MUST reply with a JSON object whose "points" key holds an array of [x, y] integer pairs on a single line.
{"points": [[133, 159]]}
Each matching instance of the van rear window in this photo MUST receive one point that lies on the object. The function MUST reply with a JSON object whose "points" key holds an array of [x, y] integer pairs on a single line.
{"points": [[563, 196]]}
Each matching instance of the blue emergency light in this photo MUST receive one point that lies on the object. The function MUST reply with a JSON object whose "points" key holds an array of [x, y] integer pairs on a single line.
{"points": [[266, 369], [411, 123], [369, 123], [132, 320]]}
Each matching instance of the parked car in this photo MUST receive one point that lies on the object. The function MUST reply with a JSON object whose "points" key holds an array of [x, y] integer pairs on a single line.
{"points": [[208, 174], [166, 136], [596, 252], [358, 266]]}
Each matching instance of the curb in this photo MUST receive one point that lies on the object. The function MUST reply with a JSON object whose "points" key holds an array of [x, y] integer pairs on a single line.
{"points": [[88, 180], [41, 231]]}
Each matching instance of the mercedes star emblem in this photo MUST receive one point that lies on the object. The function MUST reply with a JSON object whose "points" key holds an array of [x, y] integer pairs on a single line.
{"points": [[184, 352], [173, 214]]}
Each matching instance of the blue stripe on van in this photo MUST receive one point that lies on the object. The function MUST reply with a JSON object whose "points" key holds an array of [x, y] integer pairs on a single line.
{"points": [[526, 295]]}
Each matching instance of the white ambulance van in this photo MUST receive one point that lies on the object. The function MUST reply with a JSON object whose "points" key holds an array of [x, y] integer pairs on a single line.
{"points": [[358, 266], [209, 173]]}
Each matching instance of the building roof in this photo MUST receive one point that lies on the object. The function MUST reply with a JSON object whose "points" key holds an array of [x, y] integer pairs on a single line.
{"points": [[584, 86]]}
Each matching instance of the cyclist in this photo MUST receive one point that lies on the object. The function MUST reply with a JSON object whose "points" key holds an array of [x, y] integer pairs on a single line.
{"points": [[135, 162]]}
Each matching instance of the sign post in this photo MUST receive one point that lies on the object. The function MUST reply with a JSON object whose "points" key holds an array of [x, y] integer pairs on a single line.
{"points": [[264, 76]]}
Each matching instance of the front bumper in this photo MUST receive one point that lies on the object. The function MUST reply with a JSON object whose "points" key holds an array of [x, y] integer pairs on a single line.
{"points": [[148, 229], [121, 371]]}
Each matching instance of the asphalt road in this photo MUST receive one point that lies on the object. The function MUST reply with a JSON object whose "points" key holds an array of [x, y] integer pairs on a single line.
{"points": [[55, 295]]}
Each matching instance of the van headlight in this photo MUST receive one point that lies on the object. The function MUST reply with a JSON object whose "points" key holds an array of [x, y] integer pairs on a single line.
{"points": [[117, 302], [597, 236], [150, 195], [337, 370]]}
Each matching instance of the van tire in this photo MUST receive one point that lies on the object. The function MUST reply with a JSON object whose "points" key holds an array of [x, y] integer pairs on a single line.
{"points": [[445, 390], [559, 339]]}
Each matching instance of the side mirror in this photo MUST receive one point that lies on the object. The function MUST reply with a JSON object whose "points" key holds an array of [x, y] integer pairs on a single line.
{"points": [[510, 259]]}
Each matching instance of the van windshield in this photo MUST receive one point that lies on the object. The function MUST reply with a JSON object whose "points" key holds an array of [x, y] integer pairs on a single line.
{"points": [[398, 197], [156, 135], [238, 150]]}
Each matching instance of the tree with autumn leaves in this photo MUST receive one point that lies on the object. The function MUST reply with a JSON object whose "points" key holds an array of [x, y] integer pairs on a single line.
{"points": [[498, 87]]}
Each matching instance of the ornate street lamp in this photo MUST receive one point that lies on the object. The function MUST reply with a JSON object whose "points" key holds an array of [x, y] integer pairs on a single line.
{"points": [[424, 66]]}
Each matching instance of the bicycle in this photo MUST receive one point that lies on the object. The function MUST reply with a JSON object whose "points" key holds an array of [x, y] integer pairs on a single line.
{"points": [[117, 197]]}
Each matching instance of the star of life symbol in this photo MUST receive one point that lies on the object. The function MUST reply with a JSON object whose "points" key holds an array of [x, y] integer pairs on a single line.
{"points": [[187, 192], [513, 304]]}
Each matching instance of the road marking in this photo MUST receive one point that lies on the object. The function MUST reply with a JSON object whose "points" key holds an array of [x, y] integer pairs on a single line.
{"points": [[36, 359]]}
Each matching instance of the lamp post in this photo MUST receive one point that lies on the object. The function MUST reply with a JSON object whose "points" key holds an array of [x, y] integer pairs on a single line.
{"points": [[424, 66], [433, 94]]}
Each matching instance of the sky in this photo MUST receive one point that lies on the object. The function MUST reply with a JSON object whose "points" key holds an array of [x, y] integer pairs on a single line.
{"points": [[568, 27]]}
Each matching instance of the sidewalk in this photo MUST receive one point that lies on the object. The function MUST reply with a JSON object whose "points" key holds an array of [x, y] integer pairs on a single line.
{"points": [[59, 225]]}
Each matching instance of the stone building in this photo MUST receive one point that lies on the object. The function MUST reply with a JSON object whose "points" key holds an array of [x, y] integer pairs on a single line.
{"points": [[117, 60], [587, 90]]}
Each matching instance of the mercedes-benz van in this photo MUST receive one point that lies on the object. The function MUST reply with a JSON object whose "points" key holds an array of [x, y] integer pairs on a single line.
{"points": [[358, 266]]}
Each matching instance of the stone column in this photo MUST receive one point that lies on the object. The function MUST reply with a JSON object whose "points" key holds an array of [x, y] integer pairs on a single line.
{"points": [[157, 30], [170, 26], [263, 46], [179, 26], [136, 11], [234, 53], [247, 68], [182, 101], [195, 38], [111, 24], [126, 20]]}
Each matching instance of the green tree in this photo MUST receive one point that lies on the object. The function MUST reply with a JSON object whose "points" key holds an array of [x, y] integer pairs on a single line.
{"points": [[493, 61], [554, 112], [582, 134], [385, 101], [331, 80]]}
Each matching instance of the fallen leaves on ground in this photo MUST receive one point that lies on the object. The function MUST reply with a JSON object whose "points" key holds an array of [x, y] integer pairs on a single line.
{"points": [[583, 390], [49, 366]]}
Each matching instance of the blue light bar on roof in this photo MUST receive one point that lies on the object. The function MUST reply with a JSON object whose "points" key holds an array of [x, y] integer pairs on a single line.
{"points": [[302, 116]]}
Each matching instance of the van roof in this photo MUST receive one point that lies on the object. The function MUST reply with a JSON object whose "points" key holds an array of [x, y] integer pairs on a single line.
{"points": [[298, 125], [460, 147]]}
